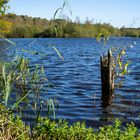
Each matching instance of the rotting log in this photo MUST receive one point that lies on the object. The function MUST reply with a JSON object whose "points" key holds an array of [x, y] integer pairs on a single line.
{"points": [[107, 79]]}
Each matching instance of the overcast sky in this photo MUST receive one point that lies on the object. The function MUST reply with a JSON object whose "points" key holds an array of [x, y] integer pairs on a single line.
{"points": [[117, 12]]}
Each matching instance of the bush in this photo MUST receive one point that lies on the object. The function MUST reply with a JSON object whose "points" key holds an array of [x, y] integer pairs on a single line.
{"points": [[12, 127], [78, 131]]}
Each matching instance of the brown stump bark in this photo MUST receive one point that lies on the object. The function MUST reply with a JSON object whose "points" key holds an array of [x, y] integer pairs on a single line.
{"points": [[107, 79]]}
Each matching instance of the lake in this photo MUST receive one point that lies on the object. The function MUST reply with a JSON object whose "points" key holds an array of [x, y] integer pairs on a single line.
{"points": [[77, 79]]}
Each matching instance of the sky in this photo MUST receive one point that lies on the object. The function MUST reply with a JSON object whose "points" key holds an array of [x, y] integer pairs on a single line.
{"points": [[117, 12]]}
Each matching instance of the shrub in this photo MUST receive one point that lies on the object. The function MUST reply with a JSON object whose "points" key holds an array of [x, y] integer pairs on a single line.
{"points": [[78, 131], [12, 127]]}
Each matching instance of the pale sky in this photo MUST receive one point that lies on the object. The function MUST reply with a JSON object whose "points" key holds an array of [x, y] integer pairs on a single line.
{"points": [[117, 12]]}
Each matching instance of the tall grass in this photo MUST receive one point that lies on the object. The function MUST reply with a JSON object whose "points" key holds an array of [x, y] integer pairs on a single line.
{"points": [[18, 80]]}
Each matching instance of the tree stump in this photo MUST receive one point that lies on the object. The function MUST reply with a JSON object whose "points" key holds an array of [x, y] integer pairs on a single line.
{"points": [[107, 79]]}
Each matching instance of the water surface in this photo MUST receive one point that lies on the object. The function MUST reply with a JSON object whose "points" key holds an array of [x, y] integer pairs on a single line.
{"points": [[77, 78]]}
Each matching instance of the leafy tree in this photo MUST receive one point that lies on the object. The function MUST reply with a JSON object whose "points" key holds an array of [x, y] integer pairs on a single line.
{"points": [[3, 6], [5, 26]]}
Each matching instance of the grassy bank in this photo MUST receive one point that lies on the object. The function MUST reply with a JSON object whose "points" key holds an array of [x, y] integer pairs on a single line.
{"points": [[13, 128]]}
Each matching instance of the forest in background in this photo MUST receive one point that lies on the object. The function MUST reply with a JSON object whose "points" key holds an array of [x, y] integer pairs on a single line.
{"points": [[32, 27]]}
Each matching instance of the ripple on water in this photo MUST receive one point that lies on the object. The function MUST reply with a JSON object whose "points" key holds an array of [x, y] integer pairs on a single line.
{"points": [[77, 80]]}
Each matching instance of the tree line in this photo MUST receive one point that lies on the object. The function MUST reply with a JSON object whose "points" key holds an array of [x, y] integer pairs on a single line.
{"points": [[29, 27]]}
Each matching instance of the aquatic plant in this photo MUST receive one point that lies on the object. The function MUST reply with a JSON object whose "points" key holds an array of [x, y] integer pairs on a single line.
{"points": [[120, 65], [19, 84], [119, 61]]}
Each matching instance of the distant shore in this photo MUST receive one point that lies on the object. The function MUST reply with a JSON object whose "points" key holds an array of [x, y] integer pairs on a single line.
{"points": [[32, 27]]}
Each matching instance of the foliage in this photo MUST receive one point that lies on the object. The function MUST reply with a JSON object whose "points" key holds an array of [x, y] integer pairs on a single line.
{"points": [[28, 27], [130, 32], [119, 65], [3, 7], [12, 127], [24, 26], [18, 80], [5, 26]]}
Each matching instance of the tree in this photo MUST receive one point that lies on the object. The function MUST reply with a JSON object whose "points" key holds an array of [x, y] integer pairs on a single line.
{"points": [[3, 6], [5, 26]]}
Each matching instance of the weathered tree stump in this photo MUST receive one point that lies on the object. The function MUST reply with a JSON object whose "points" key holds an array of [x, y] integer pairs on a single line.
{"points": [[107, 79]]}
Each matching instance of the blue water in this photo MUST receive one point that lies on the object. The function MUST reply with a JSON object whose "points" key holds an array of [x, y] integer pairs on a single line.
{"points": [[77, 78]]}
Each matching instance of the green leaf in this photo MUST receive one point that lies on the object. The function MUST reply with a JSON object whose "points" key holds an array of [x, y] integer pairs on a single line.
{"points": [[59, 54], [11, 42]]}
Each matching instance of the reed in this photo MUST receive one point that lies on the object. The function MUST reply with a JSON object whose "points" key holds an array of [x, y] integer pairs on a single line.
{"points": [[18, 79]]}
